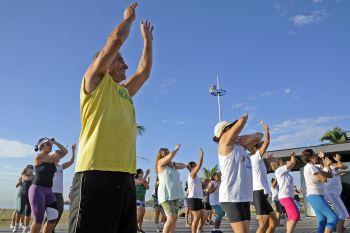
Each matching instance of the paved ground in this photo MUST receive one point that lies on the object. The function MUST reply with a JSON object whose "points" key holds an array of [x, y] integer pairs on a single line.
{"points": [[306, 225]]}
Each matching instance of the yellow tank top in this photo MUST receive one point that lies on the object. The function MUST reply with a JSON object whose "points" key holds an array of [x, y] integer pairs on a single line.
{"points": [[108, 133]]}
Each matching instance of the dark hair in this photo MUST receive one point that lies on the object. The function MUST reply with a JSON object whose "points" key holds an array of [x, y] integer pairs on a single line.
{"points": [[216, 140], [138, 172], [306, 155], [258, 145], [36, 148], [190, 164], [213, 175]]}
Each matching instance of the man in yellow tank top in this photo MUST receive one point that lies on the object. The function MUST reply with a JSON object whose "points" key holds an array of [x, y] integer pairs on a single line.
{"points": [[103, 197]]}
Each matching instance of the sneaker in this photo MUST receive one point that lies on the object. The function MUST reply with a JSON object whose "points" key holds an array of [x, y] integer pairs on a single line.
{"points": [[216, 231], [26, 229], [12, 225], [140, 230], [15, 228], [188, 225], [21, 226]]}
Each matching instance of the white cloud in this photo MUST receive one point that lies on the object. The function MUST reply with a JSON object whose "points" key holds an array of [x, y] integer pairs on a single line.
{"points": [[302, 131], [317, 1], [15, 149], [266, 93], [315, 17], [178, 122], [165, 84], [287, 91], [238, 105]]}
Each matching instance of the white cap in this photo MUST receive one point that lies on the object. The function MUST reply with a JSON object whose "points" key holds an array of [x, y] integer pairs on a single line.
{"points": [[44, 140], [219, 127]]}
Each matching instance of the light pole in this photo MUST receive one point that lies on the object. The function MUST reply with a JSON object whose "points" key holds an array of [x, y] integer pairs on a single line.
{"points": [[215, 90]]}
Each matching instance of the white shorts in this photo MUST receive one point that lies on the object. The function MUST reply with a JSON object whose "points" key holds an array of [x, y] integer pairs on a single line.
{"points": [[338, 205]]}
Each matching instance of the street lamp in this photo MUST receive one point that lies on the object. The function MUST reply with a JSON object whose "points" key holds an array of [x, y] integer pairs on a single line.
{"points": [[215, 90]]}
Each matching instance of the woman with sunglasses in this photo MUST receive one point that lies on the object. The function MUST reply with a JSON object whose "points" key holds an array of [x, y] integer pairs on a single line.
{"points": [[170, 188], [315, 193], [23, 207], [195, 194], [236, 188], [41, 197], [141, 185]]}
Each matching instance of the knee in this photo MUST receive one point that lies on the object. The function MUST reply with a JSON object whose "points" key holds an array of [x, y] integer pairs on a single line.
{"points": [[332, 220], [321, 220]]}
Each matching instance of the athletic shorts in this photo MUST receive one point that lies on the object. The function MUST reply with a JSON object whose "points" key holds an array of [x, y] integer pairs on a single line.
{"points": [[23, 206], [262, 205], [195, 204], [103, 201], [171, 207], [236, 211], [207, 206], [278, 206]]}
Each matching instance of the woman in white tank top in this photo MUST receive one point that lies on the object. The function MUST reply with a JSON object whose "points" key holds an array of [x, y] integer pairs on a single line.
{"points": [[195, 195], [236, 188]]}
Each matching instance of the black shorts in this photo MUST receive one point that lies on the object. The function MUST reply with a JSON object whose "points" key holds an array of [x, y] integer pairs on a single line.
{"points": [[262, 205], [279, 207], [23, 205], [207, 206], [102, 201], [236, 211], [195, 204]]}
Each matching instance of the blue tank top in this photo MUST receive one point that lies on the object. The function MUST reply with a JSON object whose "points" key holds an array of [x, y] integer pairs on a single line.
{"points": [[44, 174]]}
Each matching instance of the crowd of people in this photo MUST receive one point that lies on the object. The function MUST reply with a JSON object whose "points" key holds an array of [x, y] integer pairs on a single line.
{"points": [[108, 192]]}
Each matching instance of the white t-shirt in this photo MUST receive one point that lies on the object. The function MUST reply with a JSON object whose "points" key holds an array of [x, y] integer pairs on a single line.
{"points": [[259, 173], [313, 185], [333, 185], [214, 196], [57, 181], [274, 192], [195, 189], [236, 179], [285, 182]]}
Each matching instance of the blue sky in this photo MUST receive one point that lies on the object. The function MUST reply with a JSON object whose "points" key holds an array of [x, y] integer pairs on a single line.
{"points": [[285, 62]]}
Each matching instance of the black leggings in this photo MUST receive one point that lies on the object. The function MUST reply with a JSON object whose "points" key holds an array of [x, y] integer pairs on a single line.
{"points": [[23, 205]]}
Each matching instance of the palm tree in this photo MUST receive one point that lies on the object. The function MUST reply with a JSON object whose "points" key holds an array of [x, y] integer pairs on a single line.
{"points": [[209, 172], [335, 136], [140, 129]]}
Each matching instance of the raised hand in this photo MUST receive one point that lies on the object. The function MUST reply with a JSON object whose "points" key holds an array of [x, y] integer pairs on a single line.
{"points": [[74, 146], [337, 157], [268, 157], [321, 154], [177, 147], [201, 152], [129, 13], [245, 117], [147, 172], [264, 125], [146, 30]]}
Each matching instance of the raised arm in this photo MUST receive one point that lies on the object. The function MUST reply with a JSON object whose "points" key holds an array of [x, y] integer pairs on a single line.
{"points": [[164, 161], [248, 141], [323, 175], [110, 50], [144, 179], [229, 139], [19, 182], [136, 81], [69, 163], [291, 163], [196, 169], [339, 164], [266, 143], [63, 150], [179, 165]]}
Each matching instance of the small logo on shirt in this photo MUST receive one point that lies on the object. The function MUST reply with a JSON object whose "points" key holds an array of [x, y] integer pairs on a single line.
{"points": [[124, 94]]}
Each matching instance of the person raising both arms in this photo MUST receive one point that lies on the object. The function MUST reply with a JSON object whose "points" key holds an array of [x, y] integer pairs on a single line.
{"points": [[236, 187], [41, 198], [107, 144]]}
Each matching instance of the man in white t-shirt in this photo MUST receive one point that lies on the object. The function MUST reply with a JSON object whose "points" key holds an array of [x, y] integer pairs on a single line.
{"points": [[261, 188]]}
